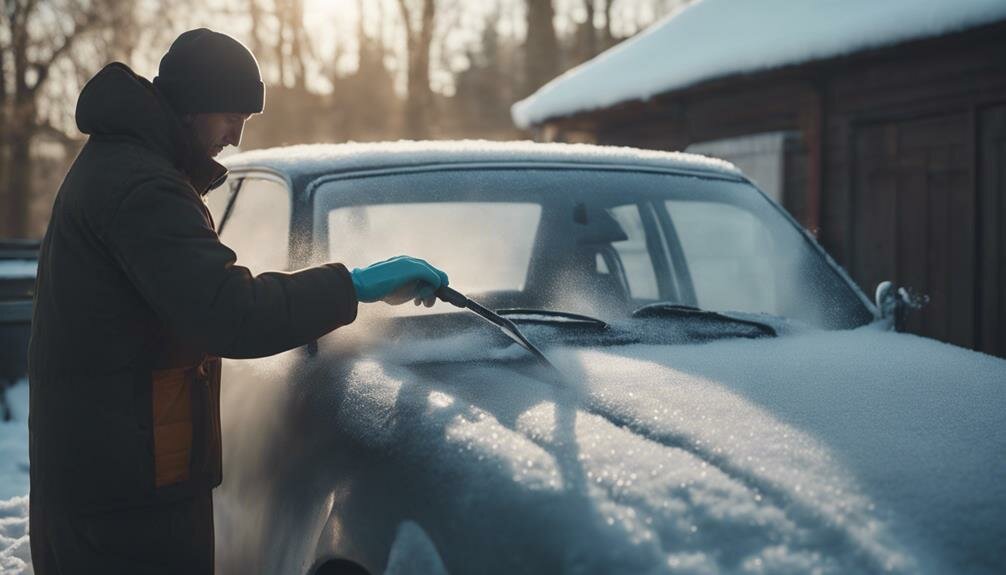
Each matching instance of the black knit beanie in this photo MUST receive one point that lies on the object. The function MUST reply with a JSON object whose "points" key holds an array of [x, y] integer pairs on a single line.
{"points": [[206, 72]]}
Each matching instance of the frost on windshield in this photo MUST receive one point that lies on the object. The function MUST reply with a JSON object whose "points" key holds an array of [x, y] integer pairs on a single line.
{"points": [[600, 243], [488, 244]]}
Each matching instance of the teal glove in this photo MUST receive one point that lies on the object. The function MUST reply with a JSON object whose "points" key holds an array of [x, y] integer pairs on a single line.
{"points": [[398, 280]]}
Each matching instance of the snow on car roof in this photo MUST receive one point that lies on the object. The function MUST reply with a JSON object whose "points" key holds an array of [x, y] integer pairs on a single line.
{"points": [[715, 38], [312, 159]]}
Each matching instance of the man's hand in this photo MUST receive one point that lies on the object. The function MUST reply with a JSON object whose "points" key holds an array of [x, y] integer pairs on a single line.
{"points": [[397, 280]]}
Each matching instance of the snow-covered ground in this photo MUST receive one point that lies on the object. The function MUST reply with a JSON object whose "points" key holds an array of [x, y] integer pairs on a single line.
{"points": [[14, 549]]}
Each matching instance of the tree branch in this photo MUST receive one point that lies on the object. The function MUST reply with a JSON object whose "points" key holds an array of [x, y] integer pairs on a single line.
{"points": [[403, 8], [79, 28]]}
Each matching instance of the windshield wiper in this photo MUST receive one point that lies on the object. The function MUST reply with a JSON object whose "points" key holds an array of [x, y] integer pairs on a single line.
{"points": [[508, 327], [550, 316], [667, 309]]}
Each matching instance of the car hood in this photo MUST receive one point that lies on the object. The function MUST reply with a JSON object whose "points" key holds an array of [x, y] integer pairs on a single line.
{"points": [[850, 451]]}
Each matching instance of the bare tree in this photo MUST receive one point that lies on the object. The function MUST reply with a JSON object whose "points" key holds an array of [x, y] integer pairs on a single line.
{"points": [[5, 40], [35, 40], [541, 50], [418, 27], [298, 46], [255, 20], [588, 31], [609, 35], [121, 34], [485, 91], [364, 103], [278, 38]]}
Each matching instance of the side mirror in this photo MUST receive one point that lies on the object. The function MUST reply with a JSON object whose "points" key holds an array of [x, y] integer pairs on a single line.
{"points": [[894, 303]]}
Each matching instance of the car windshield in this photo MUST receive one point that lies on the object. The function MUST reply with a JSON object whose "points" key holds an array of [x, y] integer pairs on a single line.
{"points": [[597, 242]]}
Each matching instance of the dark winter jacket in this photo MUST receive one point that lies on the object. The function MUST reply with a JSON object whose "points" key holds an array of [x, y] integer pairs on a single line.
{"points": [[136, 300]]}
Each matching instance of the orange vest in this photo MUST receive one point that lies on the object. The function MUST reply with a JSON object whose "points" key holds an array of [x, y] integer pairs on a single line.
{"points": [[186, 404]]}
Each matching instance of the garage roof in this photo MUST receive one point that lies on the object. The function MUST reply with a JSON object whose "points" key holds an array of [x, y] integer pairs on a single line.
{"points": [[710, 39]]}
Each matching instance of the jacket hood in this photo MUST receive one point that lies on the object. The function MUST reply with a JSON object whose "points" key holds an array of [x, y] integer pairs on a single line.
{"points": [[117, 103]]}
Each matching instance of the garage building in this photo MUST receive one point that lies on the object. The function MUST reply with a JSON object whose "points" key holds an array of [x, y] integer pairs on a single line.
{"points": [[881, 126]]}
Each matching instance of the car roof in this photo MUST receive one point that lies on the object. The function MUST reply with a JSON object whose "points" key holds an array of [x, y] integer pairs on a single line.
{"points": [[305, 162]]}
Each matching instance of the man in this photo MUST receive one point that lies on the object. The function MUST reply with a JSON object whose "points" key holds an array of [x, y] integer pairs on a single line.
{"points": [[136, 301]]}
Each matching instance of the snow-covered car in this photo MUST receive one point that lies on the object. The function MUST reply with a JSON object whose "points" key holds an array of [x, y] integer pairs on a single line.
{"points": [[722, 397], [18, 263]]}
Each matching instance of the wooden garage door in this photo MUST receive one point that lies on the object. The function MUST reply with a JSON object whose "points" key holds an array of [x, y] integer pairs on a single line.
{"points": [[992, 249], [913, 219]]}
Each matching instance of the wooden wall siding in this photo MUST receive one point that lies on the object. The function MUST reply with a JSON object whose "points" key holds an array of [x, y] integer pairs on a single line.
{"points": [[835, 197], [913, 219], [761, 107], [795, 179], [992, 231], [812, 113], [925, 100], [708, 114]]}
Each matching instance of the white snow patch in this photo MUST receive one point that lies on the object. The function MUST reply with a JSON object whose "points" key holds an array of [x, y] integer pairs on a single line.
{"points": [[15, 552], [308, 159], [834, 452], [15, 549], [710, 39], [18, 269], [14, 443]]}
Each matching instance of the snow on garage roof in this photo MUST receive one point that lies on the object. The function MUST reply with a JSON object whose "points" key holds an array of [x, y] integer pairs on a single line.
{"points": [[715, 38], [312, 159]]}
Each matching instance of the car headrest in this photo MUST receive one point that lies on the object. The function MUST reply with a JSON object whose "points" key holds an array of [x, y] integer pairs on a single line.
{"points": [[596, 226]]}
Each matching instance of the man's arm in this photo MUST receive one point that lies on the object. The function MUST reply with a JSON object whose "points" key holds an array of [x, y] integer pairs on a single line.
{"points": [[170, 252]]}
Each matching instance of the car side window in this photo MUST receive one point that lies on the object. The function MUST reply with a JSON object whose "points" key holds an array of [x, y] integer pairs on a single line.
{"points": [[634, 253], [258, 227], [725, 247]]}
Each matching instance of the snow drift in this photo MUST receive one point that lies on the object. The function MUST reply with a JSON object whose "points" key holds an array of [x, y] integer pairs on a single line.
{"points": [[832, 452]]}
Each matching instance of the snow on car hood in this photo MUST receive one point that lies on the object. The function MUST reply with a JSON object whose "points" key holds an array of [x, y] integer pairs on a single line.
{"points": [[849, 451]]}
